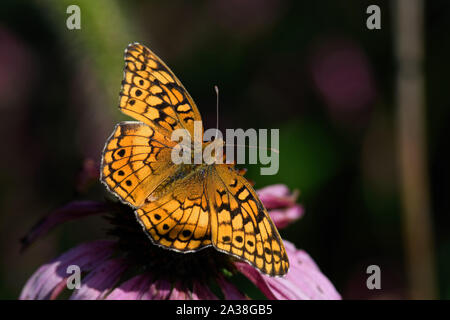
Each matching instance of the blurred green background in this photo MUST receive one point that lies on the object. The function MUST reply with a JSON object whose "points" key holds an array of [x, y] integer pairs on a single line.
{"points": [[310, 68]]}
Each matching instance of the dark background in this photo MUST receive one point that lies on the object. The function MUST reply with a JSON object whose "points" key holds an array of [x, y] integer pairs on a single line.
{"points": [[310, 68]]}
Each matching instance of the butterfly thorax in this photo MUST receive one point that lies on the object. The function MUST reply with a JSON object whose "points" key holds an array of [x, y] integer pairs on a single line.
{"points": [[185, 172], [192, 171]]}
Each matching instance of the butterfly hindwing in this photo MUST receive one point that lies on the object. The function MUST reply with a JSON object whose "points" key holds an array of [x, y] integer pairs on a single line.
{"points": [[151, 93], [240, 225], [136, 158], [178, 216]]}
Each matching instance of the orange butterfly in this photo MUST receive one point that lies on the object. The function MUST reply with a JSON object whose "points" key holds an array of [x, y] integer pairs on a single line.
{"points": [[182, 207]]}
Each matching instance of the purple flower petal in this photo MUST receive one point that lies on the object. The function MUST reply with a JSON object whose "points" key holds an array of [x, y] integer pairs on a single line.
{"points": [[283, 217], [304, 281], [276, 196], [179, 293], [132, 289], [159, 290], [300, 255], [48, 278], [280, 203], [100, 280], [71, 211], [306, 274], [202, 292], [58, 289], [229, 290], [256, 277]]}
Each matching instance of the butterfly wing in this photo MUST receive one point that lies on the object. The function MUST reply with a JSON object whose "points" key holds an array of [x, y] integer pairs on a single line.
{"points": [[178, 217], [135, 160], [240, 225], [152, 94], [136, 157]]}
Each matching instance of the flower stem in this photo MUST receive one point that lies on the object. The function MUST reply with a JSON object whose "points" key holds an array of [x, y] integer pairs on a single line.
{"points": [[411, 141]]}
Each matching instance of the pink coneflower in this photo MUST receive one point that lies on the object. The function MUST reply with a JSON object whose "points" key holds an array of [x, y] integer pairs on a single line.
{"points": [[132, 268]]}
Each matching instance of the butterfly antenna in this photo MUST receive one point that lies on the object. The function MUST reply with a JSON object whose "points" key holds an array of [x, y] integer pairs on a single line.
{"points": [[217, 111], [216, 88]]}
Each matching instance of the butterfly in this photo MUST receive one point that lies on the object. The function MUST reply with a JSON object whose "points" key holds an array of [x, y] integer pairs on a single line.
{"points": [[182, 207]]}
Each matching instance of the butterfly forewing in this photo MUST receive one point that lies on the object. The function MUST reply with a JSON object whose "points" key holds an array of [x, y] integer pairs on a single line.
{"points": [[152, 94]]}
